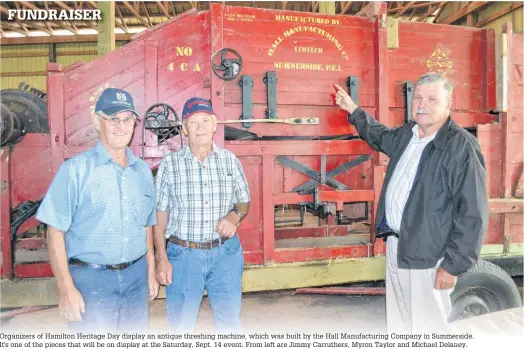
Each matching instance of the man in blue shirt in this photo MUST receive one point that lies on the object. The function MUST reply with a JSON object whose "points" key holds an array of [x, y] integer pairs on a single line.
{"points": [[100, 211]]}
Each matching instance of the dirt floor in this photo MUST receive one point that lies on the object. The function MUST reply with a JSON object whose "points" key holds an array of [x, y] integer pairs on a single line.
{"points": [[270, 312]]}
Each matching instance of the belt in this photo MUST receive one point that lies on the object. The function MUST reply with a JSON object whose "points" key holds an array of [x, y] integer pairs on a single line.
{"points": [[74, 261], [197, 245], [386, 234]]}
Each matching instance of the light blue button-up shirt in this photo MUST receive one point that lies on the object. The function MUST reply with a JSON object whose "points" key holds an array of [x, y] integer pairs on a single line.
{"points": [[104, 209]]}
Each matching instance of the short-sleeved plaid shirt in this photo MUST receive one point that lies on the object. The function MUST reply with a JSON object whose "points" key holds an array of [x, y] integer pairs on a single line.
{"points": [[198, 194]]}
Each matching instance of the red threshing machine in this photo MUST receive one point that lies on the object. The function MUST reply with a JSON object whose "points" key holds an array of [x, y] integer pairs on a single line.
{"points": [[314, 183]]}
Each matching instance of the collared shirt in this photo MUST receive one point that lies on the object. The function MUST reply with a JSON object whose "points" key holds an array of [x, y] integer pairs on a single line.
{"points": [[104, 209], [198, 194], [402, 180]]}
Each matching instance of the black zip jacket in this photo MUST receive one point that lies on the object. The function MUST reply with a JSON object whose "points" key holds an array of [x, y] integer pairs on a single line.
{"points": [[446, 214]]}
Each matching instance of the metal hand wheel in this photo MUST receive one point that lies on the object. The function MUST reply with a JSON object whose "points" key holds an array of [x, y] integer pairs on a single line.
{"points": [[228, 68], [162, 120]]}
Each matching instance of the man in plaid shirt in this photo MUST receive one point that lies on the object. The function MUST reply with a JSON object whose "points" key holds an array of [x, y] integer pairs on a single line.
{"points": [[202, 195]]}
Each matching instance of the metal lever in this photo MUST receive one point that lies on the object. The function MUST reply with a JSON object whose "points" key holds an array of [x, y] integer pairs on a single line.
{"points": [[353, 85], [246, 83], [293, 121], [271, 81], [407, 89]]}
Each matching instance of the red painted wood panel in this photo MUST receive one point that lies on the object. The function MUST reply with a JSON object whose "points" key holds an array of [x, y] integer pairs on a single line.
{"points": [[356, 44], [464, 48], [91, 76], [490, 138], [321, 253], [515, 227], [494, 232]]}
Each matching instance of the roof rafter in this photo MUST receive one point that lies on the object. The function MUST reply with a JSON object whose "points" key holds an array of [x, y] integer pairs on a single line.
{"points": [[347, 6], [430, 10], [415, 6], [163, 9], [407, 7], [500, 14], [13, 28], [122, 24], [136, 14], [18, 21], [147, 14], [462, 12]]}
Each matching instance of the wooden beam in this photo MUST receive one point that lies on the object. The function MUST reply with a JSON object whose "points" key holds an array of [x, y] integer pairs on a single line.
{"points": [[439, 12], [163, 9], [416, 6], [412, 15], [75, 29], [407, 7], [48, 23], [123, 25], [58, 39], [472, 19], [147, 14], [428, 12], [106, 28], [62, 5], [18, 21], [346, 7], [315, 6], [136, 14], [12, 28], [464, 11], [500, 14], [284, 4], [39, 27], [28, 5], [327, 7], [173, 7]]}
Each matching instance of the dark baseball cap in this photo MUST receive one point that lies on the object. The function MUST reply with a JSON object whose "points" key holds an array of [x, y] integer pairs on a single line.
{"points": [[196, 105], [113, 101]]}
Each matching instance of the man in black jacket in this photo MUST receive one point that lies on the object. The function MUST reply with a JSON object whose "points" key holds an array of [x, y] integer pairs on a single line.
{"points": [[433, 207]]}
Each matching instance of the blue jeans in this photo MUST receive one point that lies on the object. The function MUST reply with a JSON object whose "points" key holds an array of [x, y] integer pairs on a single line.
{"points": [[115, 300], [219, 271]]}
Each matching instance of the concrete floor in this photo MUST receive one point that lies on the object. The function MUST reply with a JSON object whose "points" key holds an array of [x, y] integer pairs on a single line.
{"points": [[283, 311], [269, 312]]}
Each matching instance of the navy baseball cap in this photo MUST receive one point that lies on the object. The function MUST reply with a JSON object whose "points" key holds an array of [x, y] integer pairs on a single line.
{"points": [[113, 101], [196, 105]]}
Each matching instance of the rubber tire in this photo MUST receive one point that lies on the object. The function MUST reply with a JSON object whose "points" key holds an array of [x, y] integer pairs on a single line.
{"points": [[484, 288], [41, 104], [7, 125], [28, 108]]}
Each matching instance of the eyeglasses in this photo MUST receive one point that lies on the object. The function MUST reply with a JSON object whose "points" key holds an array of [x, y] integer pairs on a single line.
{"points": [[114, 121]]}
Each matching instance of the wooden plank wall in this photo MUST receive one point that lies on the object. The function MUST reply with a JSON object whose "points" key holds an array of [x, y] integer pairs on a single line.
{"points": [[28, 63]]}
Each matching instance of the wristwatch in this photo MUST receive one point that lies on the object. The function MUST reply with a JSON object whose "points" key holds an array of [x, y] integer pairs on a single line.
{"points": [[238, 212]]}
